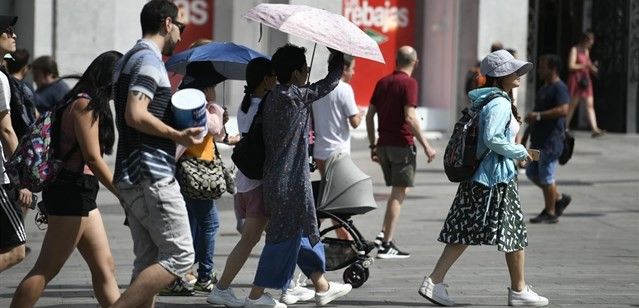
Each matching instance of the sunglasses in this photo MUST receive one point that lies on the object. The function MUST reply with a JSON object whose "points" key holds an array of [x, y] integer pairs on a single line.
{"points": [[180, 26], [9, 31]]}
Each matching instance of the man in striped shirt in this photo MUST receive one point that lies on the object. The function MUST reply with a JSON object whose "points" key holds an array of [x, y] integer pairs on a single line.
{"points": [[145, 161]]}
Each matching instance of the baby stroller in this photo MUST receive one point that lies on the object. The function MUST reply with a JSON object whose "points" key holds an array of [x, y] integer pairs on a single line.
{"points": [[345, 191]]}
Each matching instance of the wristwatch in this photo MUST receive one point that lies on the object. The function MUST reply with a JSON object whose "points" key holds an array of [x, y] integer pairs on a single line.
{"points": [[372, 146], [538, 116]]}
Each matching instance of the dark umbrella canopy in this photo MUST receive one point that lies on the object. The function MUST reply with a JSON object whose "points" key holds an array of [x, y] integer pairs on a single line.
{"points": [[228, 59]]}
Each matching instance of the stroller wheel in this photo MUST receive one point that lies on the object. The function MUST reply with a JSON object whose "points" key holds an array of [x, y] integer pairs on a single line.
{"points": [[356, 275]]}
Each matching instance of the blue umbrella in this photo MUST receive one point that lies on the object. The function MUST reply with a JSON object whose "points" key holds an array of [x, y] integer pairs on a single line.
{"points": [[229, 59]]}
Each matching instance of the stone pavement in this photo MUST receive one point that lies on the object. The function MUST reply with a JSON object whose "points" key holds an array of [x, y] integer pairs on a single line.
{"points": [[589, 259]]}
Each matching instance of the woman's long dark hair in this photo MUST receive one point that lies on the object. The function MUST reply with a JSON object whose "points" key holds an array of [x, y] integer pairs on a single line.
{"points": [[496, 82], [97, 82], [256, 70]]}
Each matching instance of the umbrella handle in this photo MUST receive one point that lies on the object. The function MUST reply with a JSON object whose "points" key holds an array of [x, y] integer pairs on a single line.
{"points": [[310, 67]]}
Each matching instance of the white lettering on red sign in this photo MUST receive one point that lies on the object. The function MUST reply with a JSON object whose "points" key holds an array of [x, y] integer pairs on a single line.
{"points": [[196, 10], [386, 17]]}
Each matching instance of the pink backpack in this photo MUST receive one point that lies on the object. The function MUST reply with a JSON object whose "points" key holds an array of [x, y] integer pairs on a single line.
{"points": [[36, 163]]}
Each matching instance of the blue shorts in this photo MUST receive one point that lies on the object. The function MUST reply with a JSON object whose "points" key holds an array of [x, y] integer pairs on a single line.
{"points": [[543, 171]]}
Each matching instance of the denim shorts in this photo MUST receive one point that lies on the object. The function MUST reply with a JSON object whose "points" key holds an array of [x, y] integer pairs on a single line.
{"points": [[159, 225], [543, 170]]}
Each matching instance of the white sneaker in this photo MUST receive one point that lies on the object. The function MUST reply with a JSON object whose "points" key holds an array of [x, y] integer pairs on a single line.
{"points": [[436, 293], [335, 290], [527, 297], [296, 294], [303, 294], [265, 301], [289, 299], [224, 297], [296, 291]]}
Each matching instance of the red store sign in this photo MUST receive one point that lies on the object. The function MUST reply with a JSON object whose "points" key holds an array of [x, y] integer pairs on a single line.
{"points": [[199, 25], [391, 23]]}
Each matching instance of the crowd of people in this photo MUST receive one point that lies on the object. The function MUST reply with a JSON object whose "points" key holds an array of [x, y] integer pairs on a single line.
{"points": [[172, 231]]}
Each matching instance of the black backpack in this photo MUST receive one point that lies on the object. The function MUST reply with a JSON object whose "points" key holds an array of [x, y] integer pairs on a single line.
{"points": [[22, 104], [460, 156], [249, 154]]}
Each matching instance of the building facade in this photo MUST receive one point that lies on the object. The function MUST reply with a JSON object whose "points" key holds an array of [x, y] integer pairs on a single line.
{"points": [[449, 35]]}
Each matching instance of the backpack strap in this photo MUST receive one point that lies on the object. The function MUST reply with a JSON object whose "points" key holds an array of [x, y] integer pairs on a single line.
{"points": [[259, 111], [481, 106], [76, 146]]}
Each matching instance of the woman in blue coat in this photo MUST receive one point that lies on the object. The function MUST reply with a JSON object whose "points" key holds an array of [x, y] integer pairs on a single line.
{"points": [[486, 210]]}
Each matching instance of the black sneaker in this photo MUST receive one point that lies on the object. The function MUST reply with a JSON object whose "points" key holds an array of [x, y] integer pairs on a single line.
{"points": [[203, 286], [178, 288], [544, 217], [379, 240], [390, 251], [562, 204]]}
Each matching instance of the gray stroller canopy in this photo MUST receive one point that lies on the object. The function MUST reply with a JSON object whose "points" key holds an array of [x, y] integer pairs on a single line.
{"points": [[345, 189]]}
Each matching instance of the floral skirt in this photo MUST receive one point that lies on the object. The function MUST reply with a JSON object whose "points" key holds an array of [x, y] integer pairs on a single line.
{"points": [[481, 215]]}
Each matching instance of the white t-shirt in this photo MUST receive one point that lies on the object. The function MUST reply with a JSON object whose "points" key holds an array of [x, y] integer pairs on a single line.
{"points": [[514, 128], [330, 116], [244, 120], [5, 98]]}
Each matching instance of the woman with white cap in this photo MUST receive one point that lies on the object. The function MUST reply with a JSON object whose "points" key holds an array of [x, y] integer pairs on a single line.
{"points": [[486, 210]]}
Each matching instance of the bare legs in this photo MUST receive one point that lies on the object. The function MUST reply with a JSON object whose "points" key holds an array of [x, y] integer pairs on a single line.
{"points": [[551, 195], [450, 254], [89, 236], [11, 257], [251, 235], [393, 209], [141, 293], [514, 260], [590, 108]]}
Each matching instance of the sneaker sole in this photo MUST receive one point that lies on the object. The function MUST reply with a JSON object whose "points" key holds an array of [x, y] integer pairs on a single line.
{"points": [[544, 222], [175, 294], [432, 300], [304, 298], [327, 300], [219, 303], [392, 257], [529, 304]]}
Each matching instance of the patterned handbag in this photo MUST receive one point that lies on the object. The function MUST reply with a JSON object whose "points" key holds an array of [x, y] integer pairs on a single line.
{"points": [[202, 179]]}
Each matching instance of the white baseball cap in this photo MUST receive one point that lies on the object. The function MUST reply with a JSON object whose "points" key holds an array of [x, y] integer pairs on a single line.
{"points": [[501, 63]]}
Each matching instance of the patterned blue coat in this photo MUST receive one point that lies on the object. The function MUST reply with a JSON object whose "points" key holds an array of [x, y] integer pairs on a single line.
{"points": [[286, 182]]}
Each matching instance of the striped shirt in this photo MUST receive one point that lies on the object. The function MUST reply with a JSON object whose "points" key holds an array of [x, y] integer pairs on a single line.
{"points": [[141, 156]]}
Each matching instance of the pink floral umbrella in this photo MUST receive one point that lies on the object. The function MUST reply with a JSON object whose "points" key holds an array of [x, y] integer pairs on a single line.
{"points": [[319, 26]]}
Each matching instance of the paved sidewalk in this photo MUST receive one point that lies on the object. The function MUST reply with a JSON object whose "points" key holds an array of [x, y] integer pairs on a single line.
{"points": [[589, 259]]}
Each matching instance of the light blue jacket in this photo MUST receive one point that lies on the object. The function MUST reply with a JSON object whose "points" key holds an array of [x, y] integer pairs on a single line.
{"points": [[498, 165]]}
